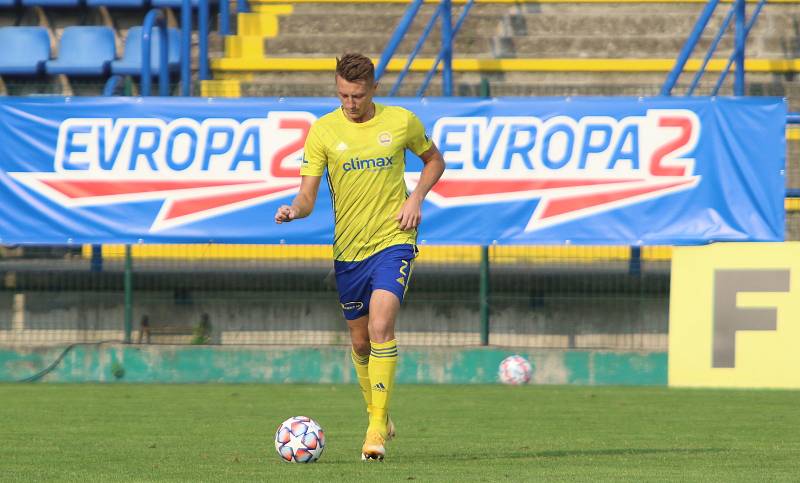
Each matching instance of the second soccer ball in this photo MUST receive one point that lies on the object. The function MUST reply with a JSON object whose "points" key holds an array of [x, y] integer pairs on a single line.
{"points": [[515, 370]]}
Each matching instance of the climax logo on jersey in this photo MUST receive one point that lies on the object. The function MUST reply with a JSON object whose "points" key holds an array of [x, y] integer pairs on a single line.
{"points": [[574, 167], [199, 169], [371, 164]]}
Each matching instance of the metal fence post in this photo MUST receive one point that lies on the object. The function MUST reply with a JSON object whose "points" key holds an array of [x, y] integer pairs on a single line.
{"points": [[128, 285], [447, 49], [484, 295], [741, 36]]}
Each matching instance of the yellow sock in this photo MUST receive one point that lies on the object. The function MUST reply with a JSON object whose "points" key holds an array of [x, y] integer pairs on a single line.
{"points": [[361, 363], [382, 365]]}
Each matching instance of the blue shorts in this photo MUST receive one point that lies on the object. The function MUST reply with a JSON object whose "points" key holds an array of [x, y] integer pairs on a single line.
{"points": [[389, 269]]}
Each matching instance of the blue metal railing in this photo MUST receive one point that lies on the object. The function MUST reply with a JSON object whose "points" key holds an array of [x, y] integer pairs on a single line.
{"points": [[447, 82], [111, 84], [742, 30], [155, 18], [416, 50], [186, 42], [397, 37], [738, 55], [688, 47], [445, 55]]}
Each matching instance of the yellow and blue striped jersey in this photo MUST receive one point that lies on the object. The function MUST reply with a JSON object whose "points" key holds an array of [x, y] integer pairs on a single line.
{"points": [[366, 166]]}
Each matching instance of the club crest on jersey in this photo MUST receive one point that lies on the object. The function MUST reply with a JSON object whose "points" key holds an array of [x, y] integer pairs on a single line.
{"points": [[385, 138], [198, 169], [569, 168]]}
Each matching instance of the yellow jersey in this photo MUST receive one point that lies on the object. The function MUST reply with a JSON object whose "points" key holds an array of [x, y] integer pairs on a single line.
{"points": [[366, 167]]}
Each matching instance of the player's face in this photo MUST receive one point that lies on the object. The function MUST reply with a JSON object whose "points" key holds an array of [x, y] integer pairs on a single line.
{"points": [[356, 98]]}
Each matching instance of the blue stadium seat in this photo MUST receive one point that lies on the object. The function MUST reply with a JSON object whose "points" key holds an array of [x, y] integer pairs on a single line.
{"points": [[131, 62], [8, 3], [83, 51], [51, 3], [116, 3], [31, 48], [177, 3]]}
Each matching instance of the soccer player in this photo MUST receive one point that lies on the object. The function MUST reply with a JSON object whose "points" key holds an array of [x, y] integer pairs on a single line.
{"points": [[362, 145]]}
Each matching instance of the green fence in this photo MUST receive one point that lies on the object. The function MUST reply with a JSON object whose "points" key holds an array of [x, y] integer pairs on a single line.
{"points": [[538, 297]]}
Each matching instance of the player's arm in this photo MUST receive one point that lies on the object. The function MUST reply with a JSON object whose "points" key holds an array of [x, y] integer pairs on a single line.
{"points": [[410, 214], [303, 203]]}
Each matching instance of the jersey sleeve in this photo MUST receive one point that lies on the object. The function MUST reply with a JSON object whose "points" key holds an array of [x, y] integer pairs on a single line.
{"points": [[417, 140], [314, 158]]}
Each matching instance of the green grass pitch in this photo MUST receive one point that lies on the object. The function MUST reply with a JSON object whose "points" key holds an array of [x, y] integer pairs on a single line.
{"points": [[445, 433]]}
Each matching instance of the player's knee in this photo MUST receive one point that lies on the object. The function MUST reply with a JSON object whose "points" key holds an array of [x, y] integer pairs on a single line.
{"points": [[381, 332], [361, 347]]}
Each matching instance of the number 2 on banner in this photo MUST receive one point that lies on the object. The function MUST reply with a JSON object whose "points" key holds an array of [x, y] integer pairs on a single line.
{"points": [[657, 168]]}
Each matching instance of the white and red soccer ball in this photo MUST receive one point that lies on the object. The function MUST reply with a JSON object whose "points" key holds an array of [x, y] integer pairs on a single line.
{"points": [[515, 370], [299, 439]]}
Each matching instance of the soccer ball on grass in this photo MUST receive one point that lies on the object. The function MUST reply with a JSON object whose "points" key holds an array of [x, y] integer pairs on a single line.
{"points": [[515, 370], [299, 439]]}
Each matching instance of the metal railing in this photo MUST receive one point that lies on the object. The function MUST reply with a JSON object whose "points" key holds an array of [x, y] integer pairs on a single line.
{"points": [[445, 56]]}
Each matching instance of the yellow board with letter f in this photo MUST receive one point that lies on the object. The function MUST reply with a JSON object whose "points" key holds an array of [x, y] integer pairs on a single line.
{"points": [[734, 318]]}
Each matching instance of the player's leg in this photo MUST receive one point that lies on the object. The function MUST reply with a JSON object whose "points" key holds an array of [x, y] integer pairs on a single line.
{"points": [[384, 306], [359, 336], [390, 280]]}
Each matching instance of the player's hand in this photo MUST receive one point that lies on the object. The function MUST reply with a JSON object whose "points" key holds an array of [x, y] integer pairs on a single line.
{"points": [[410, 214], [285, 214]]}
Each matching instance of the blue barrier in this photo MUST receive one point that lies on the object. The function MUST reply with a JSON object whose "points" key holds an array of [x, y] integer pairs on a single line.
{"points": [[688, 47], [711, 49], [397, 37], [416, 50], [155, 17], [447, 49], [739, 83], [429, 75], [186, 43]]}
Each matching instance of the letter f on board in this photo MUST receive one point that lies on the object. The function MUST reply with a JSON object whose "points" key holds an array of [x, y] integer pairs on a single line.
{"points": [[728, 318]]}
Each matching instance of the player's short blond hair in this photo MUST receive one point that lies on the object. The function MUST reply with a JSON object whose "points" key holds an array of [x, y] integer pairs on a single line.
{"points": [[354, 67]]}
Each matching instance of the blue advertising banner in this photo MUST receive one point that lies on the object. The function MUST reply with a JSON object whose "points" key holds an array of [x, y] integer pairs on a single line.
{"points": [[633, 171]]}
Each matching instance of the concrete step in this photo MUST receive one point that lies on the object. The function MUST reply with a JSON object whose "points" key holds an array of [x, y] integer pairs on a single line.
{"points": [[383, 23], [332, 45], [625, 46], [349, 10], [774, 18]]}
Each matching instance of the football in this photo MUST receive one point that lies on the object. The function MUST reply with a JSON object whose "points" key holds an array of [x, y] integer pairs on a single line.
{"points": [[515, 370], [299, 439]]}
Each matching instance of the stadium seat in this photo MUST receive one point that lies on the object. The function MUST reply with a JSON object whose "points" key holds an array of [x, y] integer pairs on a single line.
{"points": [[31, 48], [7, 3], [51, 3], [131, 62], [177, 3], [83, 51], [116, 3]]}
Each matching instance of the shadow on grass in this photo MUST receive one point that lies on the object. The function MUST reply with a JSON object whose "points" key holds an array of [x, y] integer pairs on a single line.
{"points": [[521, 454]]}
